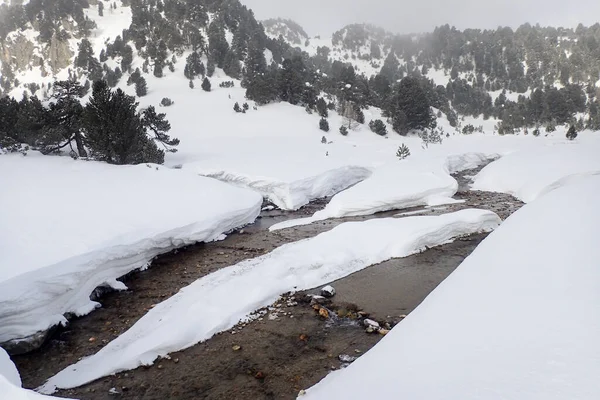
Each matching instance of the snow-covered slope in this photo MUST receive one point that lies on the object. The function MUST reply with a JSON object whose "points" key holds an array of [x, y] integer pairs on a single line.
{"points": [[518, 319], [529, 174], [69, 226], [206, 306]]}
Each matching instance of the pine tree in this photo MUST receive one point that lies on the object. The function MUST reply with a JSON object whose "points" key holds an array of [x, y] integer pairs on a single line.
{"points": [[572, 133], [141, 87], [403, 152], [343, 130], [378, 127], [206, 85], [324, 125], [410, 109], [236, 107], [65, 123], [210, 68], [322, 107], [100, 8], [115, 132], [158, 127], [191, 84]]}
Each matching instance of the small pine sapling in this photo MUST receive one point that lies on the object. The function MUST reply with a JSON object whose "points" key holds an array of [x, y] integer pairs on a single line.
{"points": [[403, 152]]}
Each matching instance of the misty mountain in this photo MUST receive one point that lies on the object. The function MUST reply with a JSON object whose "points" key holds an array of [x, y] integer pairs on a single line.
{"points": [[527, 77]]}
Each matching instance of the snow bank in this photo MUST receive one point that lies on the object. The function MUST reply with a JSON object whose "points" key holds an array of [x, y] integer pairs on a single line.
{"points": [[10, 382], [291, 195], [68, 227], [8, 369], [397, 185], [207, 306], [529, 173], [518, 319]]}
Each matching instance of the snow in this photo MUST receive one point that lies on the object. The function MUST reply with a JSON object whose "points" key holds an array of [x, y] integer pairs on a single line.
{"points": [[8, 369], [395, 186], [68, 226], [10, 382], [207, 306], [518, 319], [527, 174]]}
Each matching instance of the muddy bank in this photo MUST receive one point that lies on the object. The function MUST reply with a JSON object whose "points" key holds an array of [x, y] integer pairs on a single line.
{"points": [[273, 361]]}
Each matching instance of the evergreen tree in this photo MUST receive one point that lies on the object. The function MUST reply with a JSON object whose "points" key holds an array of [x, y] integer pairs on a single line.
{"points": [[115, 132], [322, 107], [403, 152], [217, 43], [206, 85], [100, 8], [158, 127], [410, 109], [66, 114], [343, 130], [141, 87], [231, 65], [210, 67], [572, 133], [324, 125], [236, 107], [191, 84], [378, 127]]}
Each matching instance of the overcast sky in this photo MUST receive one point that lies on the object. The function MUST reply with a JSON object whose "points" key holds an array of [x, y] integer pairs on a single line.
{"points": [[326, 16]]}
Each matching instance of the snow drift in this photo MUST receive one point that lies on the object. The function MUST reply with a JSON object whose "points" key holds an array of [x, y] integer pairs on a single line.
{"points": [[69, 226], [206, 306], [397, 185], [518, 319], [527, 174]]}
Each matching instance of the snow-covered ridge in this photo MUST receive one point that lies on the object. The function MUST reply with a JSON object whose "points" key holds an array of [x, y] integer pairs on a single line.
{"points": [[206, 307], [69, 226], [518, 319]]}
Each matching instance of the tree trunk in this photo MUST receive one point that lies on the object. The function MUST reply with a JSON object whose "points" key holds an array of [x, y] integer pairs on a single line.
{"points": [[80, 146]]}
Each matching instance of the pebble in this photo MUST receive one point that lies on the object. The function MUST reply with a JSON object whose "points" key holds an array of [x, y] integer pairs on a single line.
{"points": [[384, 331], [236, 347], [371, 323], [323, 313]]}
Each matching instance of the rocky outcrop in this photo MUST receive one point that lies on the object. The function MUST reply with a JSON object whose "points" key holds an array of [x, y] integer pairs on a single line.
{"points": [[58, 54], [17, 52], [20, 54]]}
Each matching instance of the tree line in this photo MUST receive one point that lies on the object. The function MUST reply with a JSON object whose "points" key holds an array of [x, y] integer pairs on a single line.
{"points": [[108, 128]]}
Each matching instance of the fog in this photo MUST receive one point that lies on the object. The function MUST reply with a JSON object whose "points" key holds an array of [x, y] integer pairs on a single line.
{"points": [[326, 16]]}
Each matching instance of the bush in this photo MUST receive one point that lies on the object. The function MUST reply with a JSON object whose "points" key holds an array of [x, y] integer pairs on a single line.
{"points": [[378, 127], [468, 129], [206, 85], [227, 84], [324, 125], [166, 102], [344, 130], [572, 133]]}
